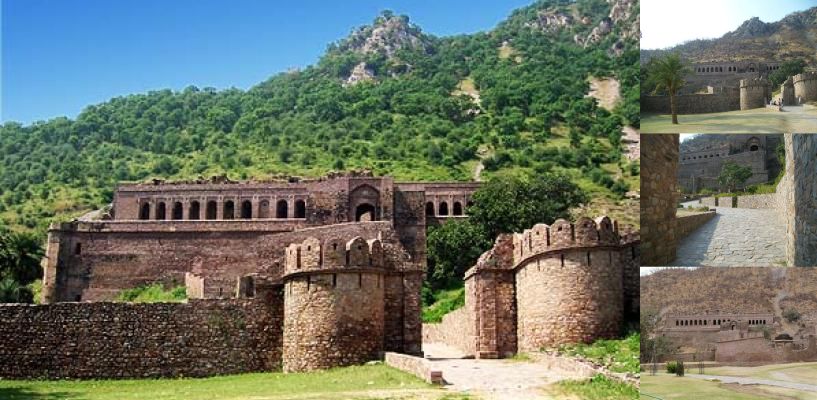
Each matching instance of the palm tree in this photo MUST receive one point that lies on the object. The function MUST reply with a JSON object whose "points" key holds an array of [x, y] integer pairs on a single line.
{"points": [[667, 74]]}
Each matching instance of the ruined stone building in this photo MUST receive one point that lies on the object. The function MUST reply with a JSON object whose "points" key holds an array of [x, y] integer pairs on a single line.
{"points": [[700, 166], [549, 285], [729, 337]]}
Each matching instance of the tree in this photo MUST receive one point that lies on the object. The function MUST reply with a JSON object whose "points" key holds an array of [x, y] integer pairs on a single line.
{"points": [[667, 74], [511, 204], [789, 68], [453, 247], [733, 175]]}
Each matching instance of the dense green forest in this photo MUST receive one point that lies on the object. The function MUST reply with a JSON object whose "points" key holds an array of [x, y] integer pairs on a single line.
{"points": [[417, 118]]}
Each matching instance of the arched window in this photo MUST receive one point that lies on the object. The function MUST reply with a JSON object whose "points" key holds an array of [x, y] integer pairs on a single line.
{"points": [[754, 147], [178, 211], [229, 210], [195, 210], [443, 208], [457, 208], [144, 211], [263, 209], [281, 209], [246, 209], [365, 212], [160, 211], [212, 210], [429, 209], [300, 209]]}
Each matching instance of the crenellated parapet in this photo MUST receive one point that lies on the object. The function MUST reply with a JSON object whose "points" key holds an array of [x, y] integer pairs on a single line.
{"points": [[754, 93], [563, 235], [333, 255], [805, 87]]}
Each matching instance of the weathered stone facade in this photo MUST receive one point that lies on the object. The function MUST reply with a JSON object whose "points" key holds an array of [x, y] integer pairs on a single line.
{"points": [[550, 285], [805, 87], [122, 340], [728, 100], [659, 198], [699, 169], [798, 199], [754, 93], [686, 224]]}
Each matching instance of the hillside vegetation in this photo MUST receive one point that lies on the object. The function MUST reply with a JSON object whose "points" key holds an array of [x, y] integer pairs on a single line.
{"points": [[389, 98]]}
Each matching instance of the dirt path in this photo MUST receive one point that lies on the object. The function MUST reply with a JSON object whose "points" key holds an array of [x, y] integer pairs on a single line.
{"points": [[606, 91], [754, 381]]}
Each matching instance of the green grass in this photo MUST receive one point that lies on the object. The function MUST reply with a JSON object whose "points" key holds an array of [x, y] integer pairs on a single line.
{"points": [[358, 382], [794, 372], [759, 120], [445, 301], [619, 355], [598, 387], [154, 293], [671, 387]]}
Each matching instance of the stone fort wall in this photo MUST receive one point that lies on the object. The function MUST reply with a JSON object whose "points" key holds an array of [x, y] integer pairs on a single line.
{"points": [[659, 191], [754, 93], [550, 285], [692, 103], [123, 340], [805, 86]]}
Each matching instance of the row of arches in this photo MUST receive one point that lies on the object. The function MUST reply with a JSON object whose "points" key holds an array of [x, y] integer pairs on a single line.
{"points": [[244, 210], [443, 211], [701, 156], [713, 322]]}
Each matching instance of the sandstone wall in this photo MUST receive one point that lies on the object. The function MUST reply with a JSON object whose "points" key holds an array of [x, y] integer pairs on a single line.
{"points": [[417, 366], [582, 300], [691, 103], [799, 199], [659, 198], [96, 261], [767, 200], [805, 86], [332, 320], [123, 340], [455, 330], [709, 201], [754, 93], [687, 224]]}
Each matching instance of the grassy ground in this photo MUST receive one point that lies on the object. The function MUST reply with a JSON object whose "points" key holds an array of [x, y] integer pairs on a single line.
{"points": [[758, 120], [597, 388], [669, 387], [619, 355], [795, 372], [154, 293], [445, 301], [359, 382]]}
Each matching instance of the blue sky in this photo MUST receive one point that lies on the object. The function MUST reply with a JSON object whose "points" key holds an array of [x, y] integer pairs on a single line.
{"points": [[59, 56], [665, 23]]}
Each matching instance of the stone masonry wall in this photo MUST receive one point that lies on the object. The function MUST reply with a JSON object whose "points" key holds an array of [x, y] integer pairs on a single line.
{"points": [[659, 198], [691, 103], [124, 340], [686, 224], [767, 200], [456, 330], [582, 302], [800, 199], [332, 320]]}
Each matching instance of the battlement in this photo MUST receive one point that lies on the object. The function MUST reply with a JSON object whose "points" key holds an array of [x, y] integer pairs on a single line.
{"points": [[805, 76], [761, 82], [562, 235], [333, 255]]}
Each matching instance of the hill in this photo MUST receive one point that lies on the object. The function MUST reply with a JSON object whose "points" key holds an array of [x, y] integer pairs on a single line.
{"points": [[792, 38], [389, 98], [731, 290]]}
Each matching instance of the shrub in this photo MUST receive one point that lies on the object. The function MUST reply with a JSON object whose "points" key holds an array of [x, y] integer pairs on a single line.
{"points": [[680, 369], [791, 315], [153, 293], [672, 367]]}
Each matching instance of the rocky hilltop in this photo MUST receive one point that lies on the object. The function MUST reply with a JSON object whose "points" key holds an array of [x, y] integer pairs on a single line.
{"points": [[793, 37]]}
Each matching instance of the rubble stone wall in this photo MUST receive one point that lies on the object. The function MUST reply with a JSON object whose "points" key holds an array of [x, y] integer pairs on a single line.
{"points": [[127, 340]]}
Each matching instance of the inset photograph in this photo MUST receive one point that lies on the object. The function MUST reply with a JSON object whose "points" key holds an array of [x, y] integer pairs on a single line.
{"points": [[749, 68], [728, 333], [729, 200]]}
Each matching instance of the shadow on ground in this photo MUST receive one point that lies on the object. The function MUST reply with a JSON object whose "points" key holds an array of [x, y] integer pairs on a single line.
{"points": [[19, 393], [692, 257]]}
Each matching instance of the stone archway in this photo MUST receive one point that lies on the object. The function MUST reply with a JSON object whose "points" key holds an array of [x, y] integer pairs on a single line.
{"points": [[363, 200]]}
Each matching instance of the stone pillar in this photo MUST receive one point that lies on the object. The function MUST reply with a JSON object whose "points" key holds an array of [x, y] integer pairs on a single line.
{"points": [[659, 198], [412, 311], [220, 208], [49, 263], [799, 199]]}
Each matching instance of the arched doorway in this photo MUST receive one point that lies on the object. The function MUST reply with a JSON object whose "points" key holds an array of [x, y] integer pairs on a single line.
{"points": [[365, 212], [144, 212], [365, 201], [281, 209], [246, 209], [430, 209], [194, 210]]}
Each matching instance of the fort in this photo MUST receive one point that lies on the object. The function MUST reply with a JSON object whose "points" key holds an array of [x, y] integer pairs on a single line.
{"points": [[549, 285], [729, 86], [300, 275], [699, 168]]}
